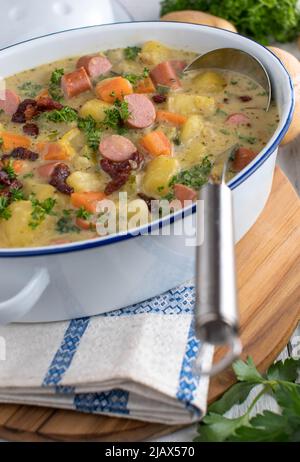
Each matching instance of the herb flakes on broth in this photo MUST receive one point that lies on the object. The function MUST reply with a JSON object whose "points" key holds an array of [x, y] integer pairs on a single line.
{"points": [[83, 129]]}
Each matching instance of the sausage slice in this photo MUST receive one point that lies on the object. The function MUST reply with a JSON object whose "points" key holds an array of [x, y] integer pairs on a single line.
{"points": [[184, 193], [10, 102], [46, 170], [94, 65], [165, 74], [141, 109], [75, 82], [117, 148], [242, 158]]}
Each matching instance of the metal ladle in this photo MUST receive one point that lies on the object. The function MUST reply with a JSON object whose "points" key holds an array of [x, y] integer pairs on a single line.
{"points": [[236, 60], [216, 308]]}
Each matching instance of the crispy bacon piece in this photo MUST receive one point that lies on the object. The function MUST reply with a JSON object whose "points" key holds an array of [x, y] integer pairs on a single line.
{"points": [[31, 129], [120, 171], [59, 177]]}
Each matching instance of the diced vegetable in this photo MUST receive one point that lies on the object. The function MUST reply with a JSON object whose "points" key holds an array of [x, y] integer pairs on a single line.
{"points": [[109, 90], [53, 151], [85, 181], [13, 140], [156, 144], [87, 200], [187, 104], [170, 117], [154, 53], [192, 128], [209, 82], [96, 109], [17, 230], [158, 174]]}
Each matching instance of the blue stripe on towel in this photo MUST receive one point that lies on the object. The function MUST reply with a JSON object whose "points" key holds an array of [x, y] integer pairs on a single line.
{"points": [[114, 401], [188, 380], [65, 354], [180, 300]]}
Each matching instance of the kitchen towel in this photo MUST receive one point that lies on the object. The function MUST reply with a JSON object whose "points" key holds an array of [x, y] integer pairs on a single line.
{"points": [[136, 362]]}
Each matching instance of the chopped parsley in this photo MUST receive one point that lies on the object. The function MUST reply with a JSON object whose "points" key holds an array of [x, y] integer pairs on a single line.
{"points": [[84, 214], [194, 177], [5, 213], [9, 169], [135, 78], [16, 194], [40, 210], [115, 117], [54, 87], [163, 89], [66, 114], [91, 131], [30, 89], [131, 53]]}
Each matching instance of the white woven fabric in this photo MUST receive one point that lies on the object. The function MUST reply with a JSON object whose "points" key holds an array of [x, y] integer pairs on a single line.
{"points": [[135, 362]]}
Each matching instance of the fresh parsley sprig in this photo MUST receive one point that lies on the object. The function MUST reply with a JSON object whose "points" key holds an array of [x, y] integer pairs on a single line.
{"points": [[65, 115], [91, 131], [40, 210], [131, 53], [54, 86], [280, 381]]}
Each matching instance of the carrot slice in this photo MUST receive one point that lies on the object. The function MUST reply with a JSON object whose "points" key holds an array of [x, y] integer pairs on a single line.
{"points": [[170, 117], [53, 151], [109, 90], [85, 224], [157, 144], [145, 86], [12, 141], [87, 200]]}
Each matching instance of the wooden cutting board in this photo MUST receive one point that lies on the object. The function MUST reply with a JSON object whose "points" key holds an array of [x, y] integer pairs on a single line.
{"points": [[268, 261]]}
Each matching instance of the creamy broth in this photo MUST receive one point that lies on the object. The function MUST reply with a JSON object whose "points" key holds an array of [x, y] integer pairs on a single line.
{"points": [[193, 124]]}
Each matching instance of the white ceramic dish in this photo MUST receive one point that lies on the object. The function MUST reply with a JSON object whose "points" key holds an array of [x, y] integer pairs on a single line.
{"points": [[89, 278]]}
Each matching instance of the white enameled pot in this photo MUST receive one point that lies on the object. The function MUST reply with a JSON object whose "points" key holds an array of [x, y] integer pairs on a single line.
{"points": [[89, 278]]}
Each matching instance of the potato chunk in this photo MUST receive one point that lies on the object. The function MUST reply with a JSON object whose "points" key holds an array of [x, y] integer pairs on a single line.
{"points": [[155, 52], [95, 108], [209, 82], [41, 191], [191, 104], [86, 181], [158, 175], [192, 129]]}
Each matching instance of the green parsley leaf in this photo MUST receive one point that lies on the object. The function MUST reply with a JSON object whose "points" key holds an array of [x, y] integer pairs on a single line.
{"points": [[66, 114], [54, 86], [5, 213], [91, 131], [284, 370], [246, 371], [66, 223], [237, 394], [9, 169], [115, 117], [30, 89], [131, 53], [84, 214], [16, 195], [40, 210], [195, 177]]}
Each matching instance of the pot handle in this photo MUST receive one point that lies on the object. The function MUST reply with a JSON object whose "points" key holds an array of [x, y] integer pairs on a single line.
{"points": [[20, 304]]}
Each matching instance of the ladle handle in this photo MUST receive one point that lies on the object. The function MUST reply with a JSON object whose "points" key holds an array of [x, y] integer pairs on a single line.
{"points": [[216, 309]]}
